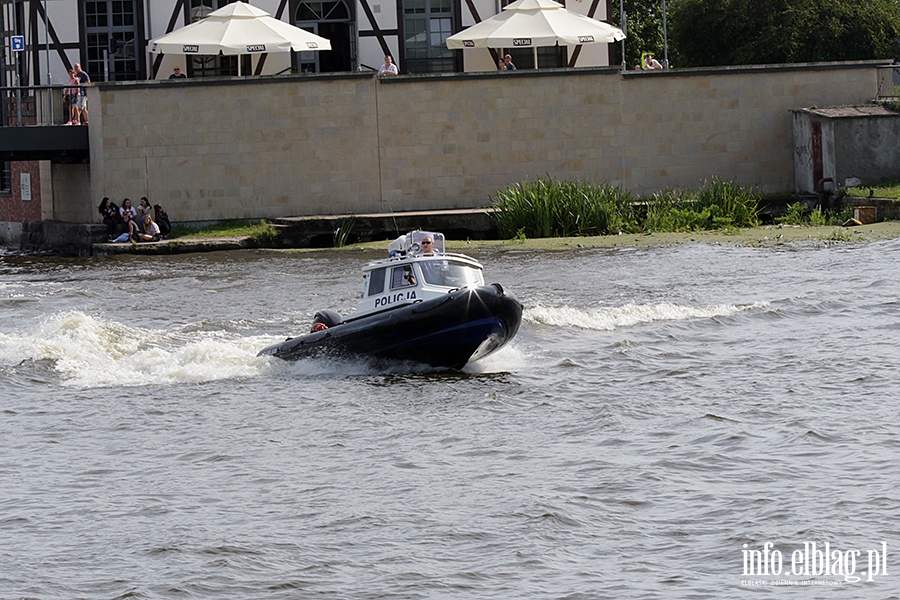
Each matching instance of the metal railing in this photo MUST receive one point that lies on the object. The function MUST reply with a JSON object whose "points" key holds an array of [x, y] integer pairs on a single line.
{"points": [[888, 82], [33, 105]]}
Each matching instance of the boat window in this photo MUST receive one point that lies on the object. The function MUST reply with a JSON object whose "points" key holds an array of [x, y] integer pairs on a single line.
{"points": [[450, 274], [376, 282], [402, 277]]}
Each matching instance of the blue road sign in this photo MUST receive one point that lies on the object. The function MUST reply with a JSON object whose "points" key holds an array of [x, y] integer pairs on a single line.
{"points": [[17, 42]]}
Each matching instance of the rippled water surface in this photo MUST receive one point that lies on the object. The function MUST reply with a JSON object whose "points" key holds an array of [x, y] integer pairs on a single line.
{"points": [[659, 409]]}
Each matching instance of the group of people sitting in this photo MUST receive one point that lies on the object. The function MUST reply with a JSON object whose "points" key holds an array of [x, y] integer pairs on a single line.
{"points": [[127, 223]]}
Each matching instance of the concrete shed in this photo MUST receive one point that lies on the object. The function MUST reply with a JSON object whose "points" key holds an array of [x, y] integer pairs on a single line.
{"points": [[837, 144]]}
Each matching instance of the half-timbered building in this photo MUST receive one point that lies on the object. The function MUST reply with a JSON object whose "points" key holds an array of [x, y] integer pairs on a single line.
{"points": [[110, 38]]}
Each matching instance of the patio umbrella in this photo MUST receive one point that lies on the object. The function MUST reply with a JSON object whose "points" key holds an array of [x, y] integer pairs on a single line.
{"points": [[533, 24], [235, 29]]}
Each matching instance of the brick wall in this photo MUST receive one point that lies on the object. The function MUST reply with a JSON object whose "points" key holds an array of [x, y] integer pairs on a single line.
{"points": [[12, 207]]}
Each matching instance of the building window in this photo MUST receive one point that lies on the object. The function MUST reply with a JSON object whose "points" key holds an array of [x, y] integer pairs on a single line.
{"points": [[5, 177], [549, 57], [110, 30], [329, 10], [426, 26], [213, 66], [333, 20]]}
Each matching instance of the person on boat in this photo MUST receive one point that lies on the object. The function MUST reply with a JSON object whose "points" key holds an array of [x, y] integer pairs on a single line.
{"points": [[402, 277], [432, 269], [427, 246]]}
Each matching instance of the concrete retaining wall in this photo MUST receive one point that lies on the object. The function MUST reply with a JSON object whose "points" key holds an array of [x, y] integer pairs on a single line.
{"points": [[72, 239], [350, 143]]}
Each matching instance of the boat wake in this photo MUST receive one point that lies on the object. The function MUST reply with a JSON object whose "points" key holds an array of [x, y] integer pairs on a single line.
{"points": [[629, 315], [83, 351], [87, 351]]}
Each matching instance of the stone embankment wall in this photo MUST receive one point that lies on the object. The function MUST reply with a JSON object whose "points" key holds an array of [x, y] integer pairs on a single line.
{"points": [[349, 143]]}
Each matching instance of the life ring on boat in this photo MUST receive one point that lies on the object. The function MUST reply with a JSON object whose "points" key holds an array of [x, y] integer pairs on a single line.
{"points": [[318, 327]]}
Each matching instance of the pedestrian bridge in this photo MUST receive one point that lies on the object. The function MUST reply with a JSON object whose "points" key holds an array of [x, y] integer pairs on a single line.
{"points": [[34, 127]]}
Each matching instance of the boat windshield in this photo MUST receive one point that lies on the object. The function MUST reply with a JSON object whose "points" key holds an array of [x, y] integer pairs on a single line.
{"points": [[451, 274]]}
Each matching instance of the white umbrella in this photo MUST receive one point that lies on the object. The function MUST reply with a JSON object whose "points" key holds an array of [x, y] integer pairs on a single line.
{"points": [[534, 23], [235, 29]]}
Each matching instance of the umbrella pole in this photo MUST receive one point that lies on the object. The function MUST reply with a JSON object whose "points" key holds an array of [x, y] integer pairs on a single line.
{"points": [[239, 65], [535, 58]]}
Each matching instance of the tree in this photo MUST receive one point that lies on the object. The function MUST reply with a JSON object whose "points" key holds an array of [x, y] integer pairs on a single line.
{"points": [[736, 32], [643, 27]]}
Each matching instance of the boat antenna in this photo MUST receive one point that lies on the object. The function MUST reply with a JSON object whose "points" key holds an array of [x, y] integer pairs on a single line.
{"points": [[393, 218], [380, 173]]}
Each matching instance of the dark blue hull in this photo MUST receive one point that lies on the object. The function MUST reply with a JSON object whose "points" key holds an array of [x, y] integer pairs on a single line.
{"points": [[450, 331]]}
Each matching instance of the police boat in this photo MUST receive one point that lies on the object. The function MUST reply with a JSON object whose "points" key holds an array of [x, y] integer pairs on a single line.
{"points": [[422, 305]]}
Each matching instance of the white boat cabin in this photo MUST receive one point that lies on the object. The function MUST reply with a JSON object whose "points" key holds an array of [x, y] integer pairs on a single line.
{"points": [[416, 271]]}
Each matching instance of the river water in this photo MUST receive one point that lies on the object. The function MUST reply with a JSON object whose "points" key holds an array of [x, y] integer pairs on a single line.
{"points": [[671, 422]]}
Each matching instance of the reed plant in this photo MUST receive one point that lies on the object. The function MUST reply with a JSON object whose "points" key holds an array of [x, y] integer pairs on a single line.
{"points": [[548, 208], [341, 235], [668, 210], [729, 204], [799, 214], [717, 204]]}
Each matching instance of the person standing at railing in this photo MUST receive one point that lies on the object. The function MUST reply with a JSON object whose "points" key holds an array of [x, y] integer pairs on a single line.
{"points": [[83, 78], [70, 96], [388, 68]]}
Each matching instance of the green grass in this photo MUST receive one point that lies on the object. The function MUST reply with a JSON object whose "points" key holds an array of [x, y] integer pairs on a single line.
{"points": [[257, 230], [886, 188]]}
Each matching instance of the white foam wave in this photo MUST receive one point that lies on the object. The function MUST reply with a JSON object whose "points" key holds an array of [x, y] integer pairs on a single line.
{"points": [[92, 352], [629, 315], [509, 358]]}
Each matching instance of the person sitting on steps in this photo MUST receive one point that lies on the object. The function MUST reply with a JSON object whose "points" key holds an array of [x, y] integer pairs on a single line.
{"points": [[131, 230], [149, 230]]}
